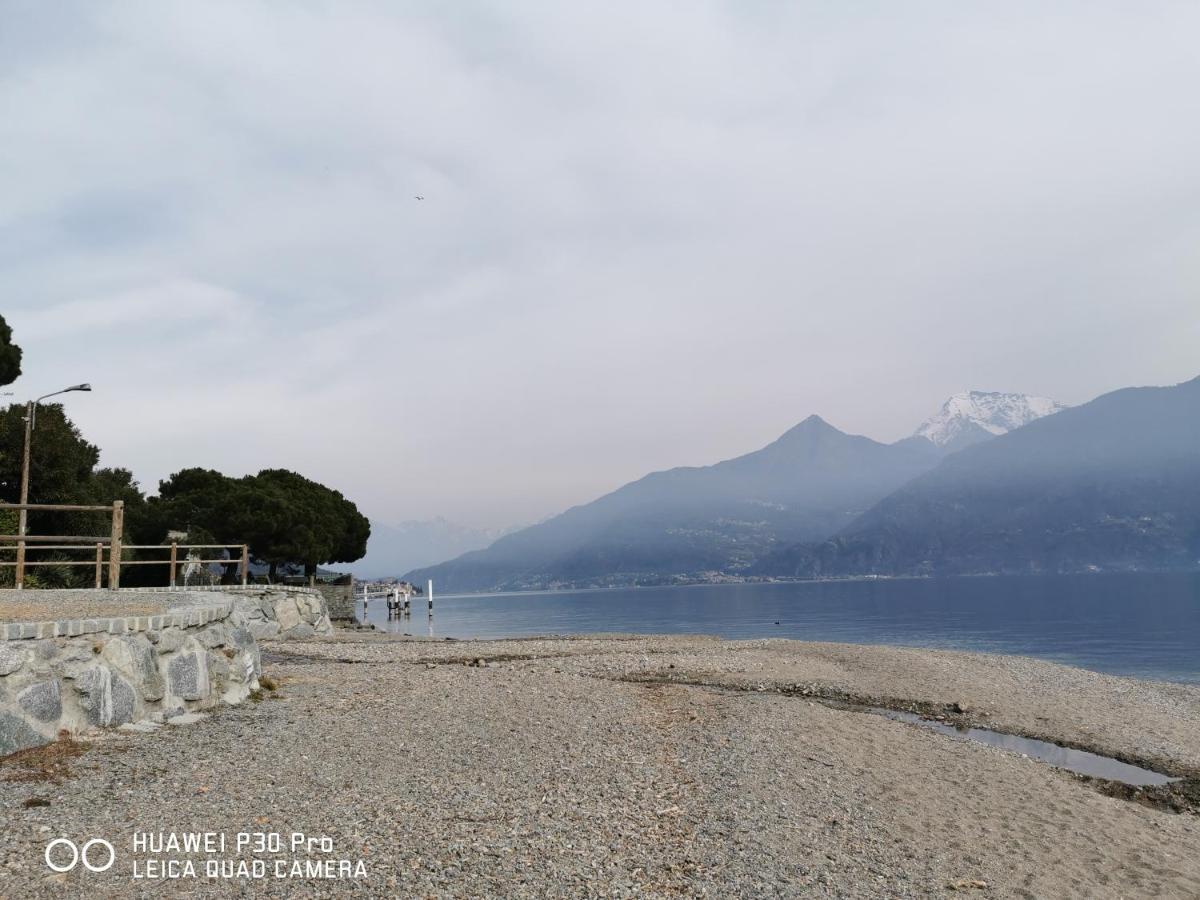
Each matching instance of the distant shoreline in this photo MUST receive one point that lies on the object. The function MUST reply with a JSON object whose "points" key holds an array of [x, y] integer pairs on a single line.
{"points": [[1136, 625], [832, 579]]}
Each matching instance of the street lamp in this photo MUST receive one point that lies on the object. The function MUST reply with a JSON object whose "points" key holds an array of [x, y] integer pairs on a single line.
{"points": [[30, 421]]}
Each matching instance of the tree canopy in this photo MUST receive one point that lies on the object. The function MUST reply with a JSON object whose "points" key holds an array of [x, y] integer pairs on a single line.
{"points": [[61, 470], [283, 516], [10, 355], [61, 461]]}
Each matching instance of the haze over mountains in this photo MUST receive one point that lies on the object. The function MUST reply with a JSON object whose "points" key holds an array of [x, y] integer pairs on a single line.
{"points": [[1113, 484], [762, 514], [393, 549], [808, 484]]}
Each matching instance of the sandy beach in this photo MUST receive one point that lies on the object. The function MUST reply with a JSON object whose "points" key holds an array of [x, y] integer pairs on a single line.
{"points": [[661, 766]]}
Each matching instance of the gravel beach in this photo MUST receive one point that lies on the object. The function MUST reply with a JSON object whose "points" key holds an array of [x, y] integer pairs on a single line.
{"points": [[628, 766]]}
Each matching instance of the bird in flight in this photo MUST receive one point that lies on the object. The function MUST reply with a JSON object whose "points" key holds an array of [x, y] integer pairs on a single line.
{"points": [[418, 197]]}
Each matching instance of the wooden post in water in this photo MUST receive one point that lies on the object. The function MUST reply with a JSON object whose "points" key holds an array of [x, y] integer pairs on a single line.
{"points": [[114, 546], [429, 592]]}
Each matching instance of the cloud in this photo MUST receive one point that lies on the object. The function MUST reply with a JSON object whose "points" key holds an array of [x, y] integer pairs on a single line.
{"points": [[165, 307], [652, 234]]}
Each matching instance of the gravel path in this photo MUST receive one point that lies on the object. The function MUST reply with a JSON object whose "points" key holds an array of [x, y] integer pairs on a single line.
{"points": [[23, 608], [544, 773]]}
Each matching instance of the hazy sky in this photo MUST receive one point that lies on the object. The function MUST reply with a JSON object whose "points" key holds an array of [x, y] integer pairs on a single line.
{"points": [[653, 233]]}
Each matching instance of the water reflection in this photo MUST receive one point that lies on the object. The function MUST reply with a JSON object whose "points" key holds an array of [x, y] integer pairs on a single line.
{"points": [[1080, 761]]}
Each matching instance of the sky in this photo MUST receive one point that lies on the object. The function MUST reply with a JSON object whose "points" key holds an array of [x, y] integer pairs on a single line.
{"points": [[652, 233]]}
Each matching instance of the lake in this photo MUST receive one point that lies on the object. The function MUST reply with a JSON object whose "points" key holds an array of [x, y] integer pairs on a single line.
{"points": [[1142, 625]]}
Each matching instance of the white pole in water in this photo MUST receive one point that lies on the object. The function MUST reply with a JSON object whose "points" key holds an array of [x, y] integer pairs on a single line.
{"points": [[429, 591]]}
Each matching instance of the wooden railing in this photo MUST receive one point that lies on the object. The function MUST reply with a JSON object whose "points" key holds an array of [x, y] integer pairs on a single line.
{"points": [[242, 560], [111, 545]]}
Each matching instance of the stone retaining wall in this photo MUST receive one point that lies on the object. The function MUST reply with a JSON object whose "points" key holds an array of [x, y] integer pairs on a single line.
{"points": [[74, 674], [269, 611], [283, 612], [339, 598]]}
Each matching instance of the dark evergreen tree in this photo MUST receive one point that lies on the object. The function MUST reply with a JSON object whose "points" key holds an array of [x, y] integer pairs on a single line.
{"points": [[10, 355], [61, 463], [284, 517]]}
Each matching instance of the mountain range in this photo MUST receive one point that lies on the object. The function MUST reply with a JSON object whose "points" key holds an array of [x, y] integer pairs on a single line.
{"points": [[696, 521], [1113, 484], [815, 502]]}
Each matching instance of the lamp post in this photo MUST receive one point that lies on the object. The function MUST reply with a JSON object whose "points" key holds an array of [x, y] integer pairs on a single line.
{"points": [[30, 414]]}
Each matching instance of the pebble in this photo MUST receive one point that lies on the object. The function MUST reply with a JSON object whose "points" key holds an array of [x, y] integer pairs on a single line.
{"points": [[512, 779]]}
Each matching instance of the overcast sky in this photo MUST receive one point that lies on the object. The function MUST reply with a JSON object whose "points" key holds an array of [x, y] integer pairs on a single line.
{"points": [[653, 233]]}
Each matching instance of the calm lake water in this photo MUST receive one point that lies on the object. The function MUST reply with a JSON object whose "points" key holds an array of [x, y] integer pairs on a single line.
{"points": [[1146, 626]]}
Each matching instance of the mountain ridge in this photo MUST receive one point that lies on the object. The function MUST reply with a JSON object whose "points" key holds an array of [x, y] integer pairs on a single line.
{"points": [[688, 521], [817, 502], [970, 417], [1113, 484]]}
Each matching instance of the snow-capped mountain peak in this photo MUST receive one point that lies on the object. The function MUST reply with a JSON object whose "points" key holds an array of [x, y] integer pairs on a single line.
{"points": [[973, 416]]}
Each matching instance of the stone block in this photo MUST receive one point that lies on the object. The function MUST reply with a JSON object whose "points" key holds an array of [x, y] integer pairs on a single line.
{"points": [[45, 650], [287, 613], [213, 636], [241, 668], [170, 640], [134, 657], [42, 700], [124, 702], [188, 676], [218, 667], [17, 734], [264, 629], [12, 658], [107, 699]]}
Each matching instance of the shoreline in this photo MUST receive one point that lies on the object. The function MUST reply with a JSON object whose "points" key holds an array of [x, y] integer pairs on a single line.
{"points": [[632, 635], [640, 765], [735, 581], [1139, 626]]}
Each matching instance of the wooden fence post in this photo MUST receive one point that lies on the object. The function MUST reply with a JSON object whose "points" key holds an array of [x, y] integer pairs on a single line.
{"points": [[114, 546], [99, 565], [245, 564], [174, 561]]}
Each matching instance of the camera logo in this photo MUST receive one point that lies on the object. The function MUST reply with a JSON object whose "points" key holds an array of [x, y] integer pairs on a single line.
{"points": [[89, 854]]}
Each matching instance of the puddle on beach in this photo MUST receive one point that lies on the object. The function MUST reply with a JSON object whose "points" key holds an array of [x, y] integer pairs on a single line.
{"points": [[1079, 761]]}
